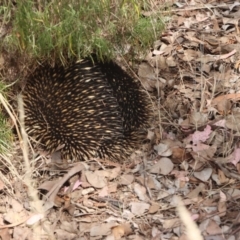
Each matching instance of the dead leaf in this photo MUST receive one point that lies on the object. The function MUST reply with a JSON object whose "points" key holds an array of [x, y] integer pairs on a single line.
{"points": [[180, 154], [162, 194], [140, 191], [139, 208], [71, 227], [5, 234], [222, 207], [154, 208], [181, 175], [171, 62], [198, 118], [235, 156], [103, 229], [15, 217], [213, 228], [163, 166], [126, 179], [2, 185], [51, 196], [114, 173], [170, 223], [204, 175], [96, 179], [146, 71], [63, 235], [22, 233], [201, 136], [233, 122], [121, 230], [87, 191], [118, 232], [233, 193], [16, 206], [103, 192], [233, 96], [163, 150], [195, 192]]}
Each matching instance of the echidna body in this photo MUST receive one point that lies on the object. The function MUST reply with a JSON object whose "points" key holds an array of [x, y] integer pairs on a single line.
{"points": [[91, 110]]}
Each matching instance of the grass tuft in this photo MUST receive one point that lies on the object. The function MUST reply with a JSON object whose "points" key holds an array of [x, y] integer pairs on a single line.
{"points": [[71, 28], [6, 136]]}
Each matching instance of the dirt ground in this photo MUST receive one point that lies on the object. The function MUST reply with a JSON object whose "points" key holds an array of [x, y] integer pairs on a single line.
{"points": [[191, 158]]}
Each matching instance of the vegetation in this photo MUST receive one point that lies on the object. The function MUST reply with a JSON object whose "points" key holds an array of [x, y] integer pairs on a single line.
{"points": [[6, 136], [76, 28]]}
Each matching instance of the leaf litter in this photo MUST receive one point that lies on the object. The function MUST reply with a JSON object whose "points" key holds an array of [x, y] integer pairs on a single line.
{"points": [[186, 180]]}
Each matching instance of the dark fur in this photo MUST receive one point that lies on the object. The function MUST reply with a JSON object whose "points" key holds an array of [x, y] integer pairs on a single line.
{"points": [[94, 110]]}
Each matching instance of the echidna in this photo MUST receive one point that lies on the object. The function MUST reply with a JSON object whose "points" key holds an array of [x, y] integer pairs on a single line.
{"points": [[92, 110]]}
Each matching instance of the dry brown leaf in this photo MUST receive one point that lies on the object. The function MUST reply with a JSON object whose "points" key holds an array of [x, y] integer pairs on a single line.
{"points": [[153, 183], [71, 227], [87, 191], [51, 195], [171, 62], [104, 192], [114, 173], [103, 229], [222, 178], [14, 217], [140, 191], [5, 234], [233, 96], [198, 118], [179, 155], [156, 233], [160, 62], [190, 55], [233, 193], [48, 185], [146, 71], [63, 235], [195, 192], [139, 208], [224, 107], [118, 232], [22, 233], [121, 230], [162, 194], [222, 208], [213, 228], [201, 136], [2, 185], [170, 223], [163, 166], [184, 237], [126, 179], [154, 208], [113, 187], [233, 122], [163, 150], [203, 152], [16, 206], [203, 175], [96, 179], [181, 175]]}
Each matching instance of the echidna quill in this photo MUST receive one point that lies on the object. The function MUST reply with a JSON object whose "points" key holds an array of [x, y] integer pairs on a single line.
{"points": [[92, 110]]}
